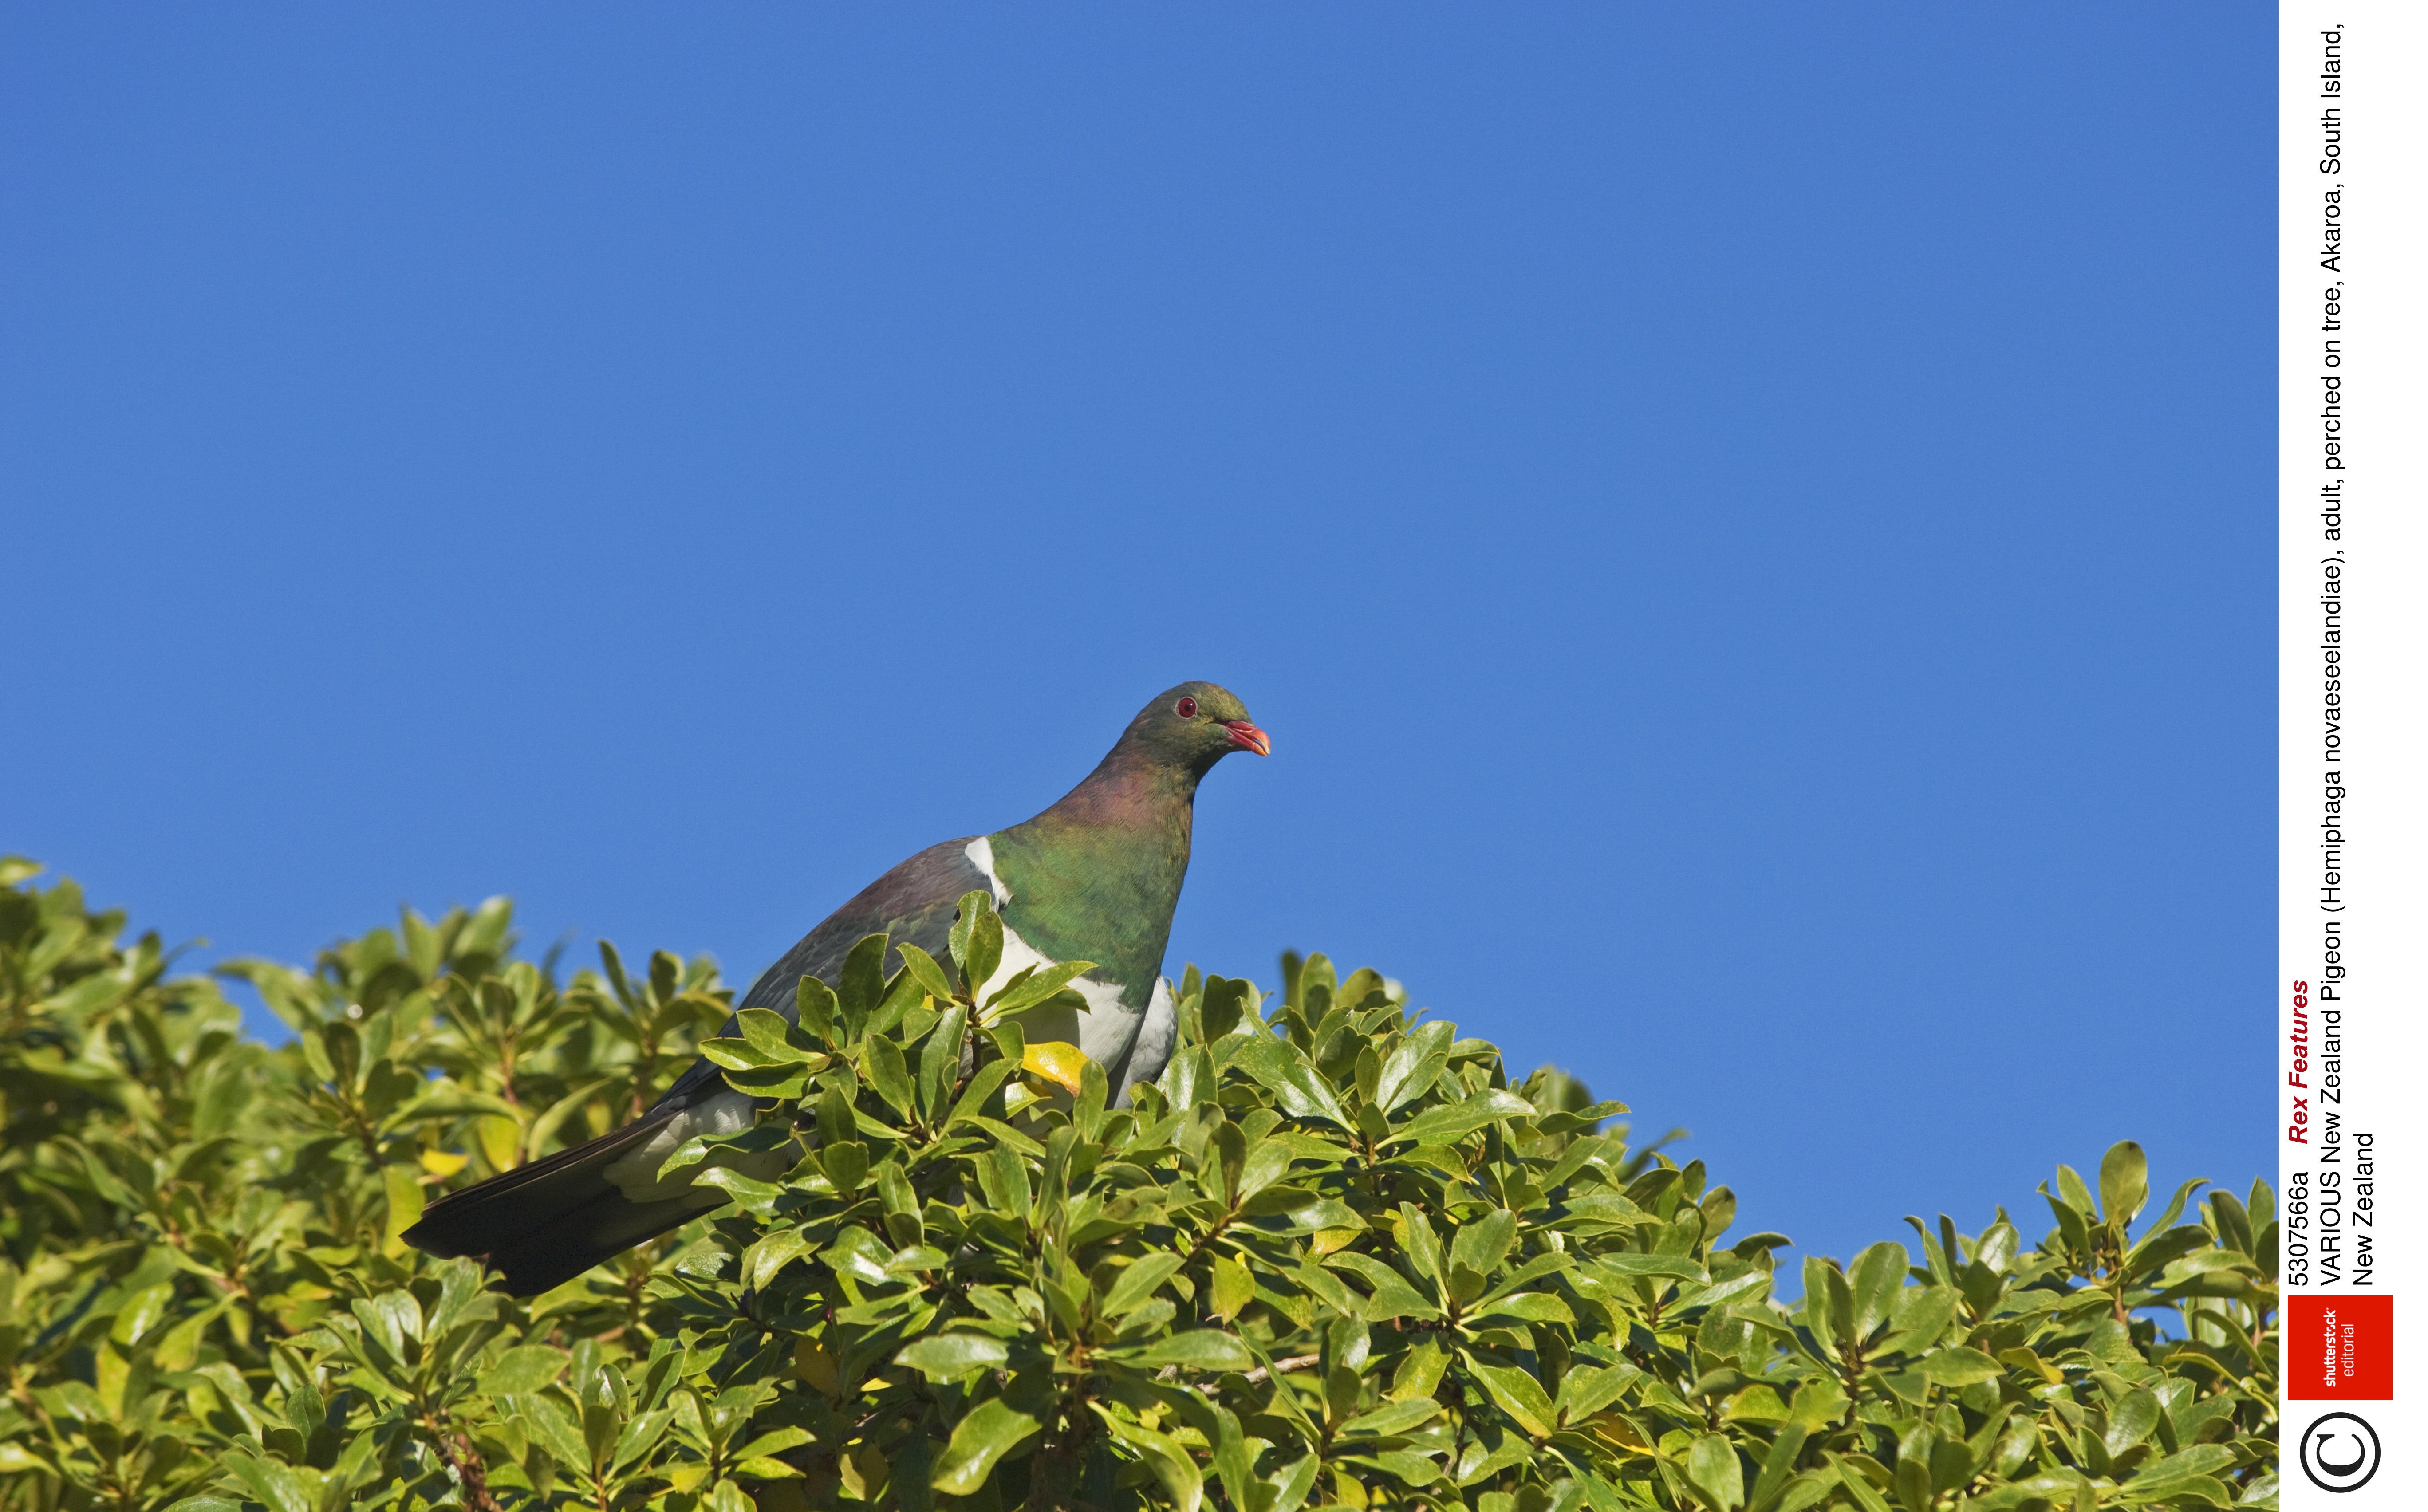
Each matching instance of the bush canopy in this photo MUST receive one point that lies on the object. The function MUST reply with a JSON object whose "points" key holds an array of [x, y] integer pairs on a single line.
{"points": [[1334, 1256]]}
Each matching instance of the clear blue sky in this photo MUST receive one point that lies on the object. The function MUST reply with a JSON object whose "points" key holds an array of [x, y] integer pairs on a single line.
{"points": [[1751, 529]]}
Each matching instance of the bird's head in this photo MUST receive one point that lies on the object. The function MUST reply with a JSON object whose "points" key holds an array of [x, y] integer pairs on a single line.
{"points": [[1195, 725]]}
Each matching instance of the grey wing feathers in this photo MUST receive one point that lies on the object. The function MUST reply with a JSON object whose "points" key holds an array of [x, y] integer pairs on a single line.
{"points": [[914, 901]]}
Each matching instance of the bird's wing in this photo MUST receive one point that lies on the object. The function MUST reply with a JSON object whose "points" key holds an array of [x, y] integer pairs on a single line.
{"points": [[913, 902]]}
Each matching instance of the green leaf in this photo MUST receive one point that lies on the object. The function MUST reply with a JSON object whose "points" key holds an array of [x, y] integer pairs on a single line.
{"points": [[1715, 1471], [845, 1163], [2164, 1248], [1918, 1317], [1858, 1486], [860, 986], [1419, 1373], [2201, 1459], [1392, 1420], [2123, 1182], [1313, 1217], [1420, 1470], [736, 1055], [1035, 987], [1416, 1241], [2175, 1205], [392, 1317], [1139, 1281], [1188, 1078], [927, 973], [547, 1421], [756, 1196], [1584, 1392], [2130, 1420], [140, 1313], [1233, 1460], [1527, 1306], [881, 1061], [773, 1036], [1290, 1487], [2071, 1222], [1480, 1247], [1957, 1365], [1518, 1394], [1233, 1288], [976, 940], [1263, 1166], [773, 1250], [940, 1061], [1778, 1467], [985, 1083], [524, 1368], [273, 1485], [1413, 1064], [447, 1101], [403, 1184], [1198, 1349], [2069, 1187], [1452, 1122], [1296, 1085], [813, 1002], [773, 1081], [1224, 1003], [774, 1443], [966, 912], [1589, 1118], [948, 1356], [1171, 1463], [1875, 1280], [1393, 1297], [987, 1433]]}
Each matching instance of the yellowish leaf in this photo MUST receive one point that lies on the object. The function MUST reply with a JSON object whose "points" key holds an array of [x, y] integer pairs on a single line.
{"points": [[403, 1186], [1329, 1240], [442, 1163], [1062, 1063], [502, 1140], [867, 1466], [812, 1363], [1233, 1288]]}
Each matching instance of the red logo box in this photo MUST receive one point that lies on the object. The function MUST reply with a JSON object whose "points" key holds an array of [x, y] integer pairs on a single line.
{"points": [[2339, 1349]]}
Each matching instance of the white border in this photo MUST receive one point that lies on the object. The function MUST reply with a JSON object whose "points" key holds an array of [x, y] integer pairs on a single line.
{"points": [[2384, 175]]}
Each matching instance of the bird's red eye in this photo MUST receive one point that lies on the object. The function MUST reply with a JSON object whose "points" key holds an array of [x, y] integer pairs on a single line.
{"points": [[1185, 708]]}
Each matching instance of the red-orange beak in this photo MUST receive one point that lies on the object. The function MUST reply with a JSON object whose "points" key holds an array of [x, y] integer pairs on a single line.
{"points": [[1248, 737]]}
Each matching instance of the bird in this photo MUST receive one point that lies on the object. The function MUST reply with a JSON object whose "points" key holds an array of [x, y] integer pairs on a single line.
{"points": [[1094, 878]]}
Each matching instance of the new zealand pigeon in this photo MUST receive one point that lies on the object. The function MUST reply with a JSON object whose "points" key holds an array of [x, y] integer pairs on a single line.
{"points": [[1094, 878]]}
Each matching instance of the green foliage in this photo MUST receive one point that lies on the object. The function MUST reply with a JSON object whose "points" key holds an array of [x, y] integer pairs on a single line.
{"points": [[1334, 1258]]}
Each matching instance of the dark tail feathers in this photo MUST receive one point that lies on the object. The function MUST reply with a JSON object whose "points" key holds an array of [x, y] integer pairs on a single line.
{"points": [[542, 1225]]}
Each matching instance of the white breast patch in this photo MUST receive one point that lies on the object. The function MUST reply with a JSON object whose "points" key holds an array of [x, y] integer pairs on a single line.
{"points": [[1103, 1031]]}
